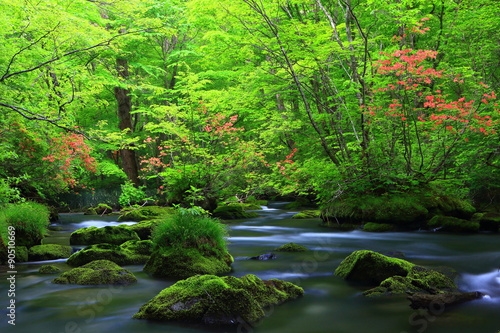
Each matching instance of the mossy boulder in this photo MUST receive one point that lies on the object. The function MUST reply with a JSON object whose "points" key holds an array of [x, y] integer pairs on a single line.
{"points": [[96, 273], [100, 209], [145, 213], [451, 206], [371, 267], [144, 229], [307, 214], [175, 263], [49, 252], [403, 209], [291, 247], [488, 221], [232, 212], [49, 269], [391, 275], [212, 300], [109, 234], [22, 254], [452, 224], [378, 227], [128, 253], [444, 300]]}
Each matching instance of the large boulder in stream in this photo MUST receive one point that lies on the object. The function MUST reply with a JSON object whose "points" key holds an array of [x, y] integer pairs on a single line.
{"points": [[109, 234], [96, 273], [391, 275], [128, 253], [174, 263], [212, 300], [145, 213], [49, 252]]}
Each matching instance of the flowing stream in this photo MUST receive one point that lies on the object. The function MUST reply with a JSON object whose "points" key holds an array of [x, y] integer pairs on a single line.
{"points": [[330, 304]]}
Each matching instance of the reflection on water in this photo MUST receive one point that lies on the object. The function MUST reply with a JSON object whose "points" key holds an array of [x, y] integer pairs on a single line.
{"points": [[329, 304]]}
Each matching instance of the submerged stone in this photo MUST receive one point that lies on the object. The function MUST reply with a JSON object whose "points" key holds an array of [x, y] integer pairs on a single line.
{"points": [[96, 273], [291, 247], [442, 300], [265, 256], [212, 300], [452, 224], [128, 253], [109, 234], [307, 214], [49, 252], [49, 269]]}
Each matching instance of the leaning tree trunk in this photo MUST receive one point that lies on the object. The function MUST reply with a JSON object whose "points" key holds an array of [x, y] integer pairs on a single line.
{"points": [[122, 95]]}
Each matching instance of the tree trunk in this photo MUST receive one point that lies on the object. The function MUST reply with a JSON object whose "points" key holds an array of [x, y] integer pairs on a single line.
{"points": [[122, 95]]}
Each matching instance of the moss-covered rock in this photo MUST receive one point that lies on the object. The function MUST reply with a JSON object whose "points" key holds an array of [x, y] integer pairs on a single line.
{"points": [[391, 275], [145, 213], [452, 224], [109, 234], [378, 227], [49, 269], [291, 247], [451, 206], [49, 252], [371, 267], [175, 263], [488, 221], [429, 301], [307, 214], [213, 300], [232, 212], [96, 273], [144, 229], [22, 254], [401, 209], [128, 253], [100, 209]]}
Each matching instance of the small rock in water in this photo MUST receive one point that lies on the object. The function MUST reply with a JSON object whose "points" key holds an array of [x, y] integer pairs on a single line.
{"points": [[266, 256]]}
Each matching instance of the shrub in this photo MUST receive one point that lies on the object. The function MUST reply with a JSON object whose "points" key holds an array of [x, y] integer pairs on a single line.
{"points": [[30, 219], [191, 228]]}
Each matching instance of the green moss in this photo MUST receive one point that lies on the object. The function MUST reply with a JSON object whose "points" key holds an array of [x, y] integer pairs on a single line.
{"points": [[307, 214], [233, 211], [488, 221], [216, 300], [174, 263], [391, 275], [49, 252], [397, 209], [96, 273], [109, 234], [128, 253], [377, 227], [146, 213], [144, 229], [291, 247], [101, 209], [22, 254], [49, 269], [452, 206], [371, 267], [452, 224]]}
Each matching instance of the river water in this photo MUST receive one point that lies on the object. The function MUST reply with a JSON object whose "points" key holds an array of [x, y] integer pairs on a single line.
{"points": [[329, 305]]}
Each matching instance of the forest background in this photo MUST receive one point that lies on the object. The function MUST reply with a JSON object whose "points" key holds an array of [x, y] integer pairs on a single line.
{"points": [[196, 101]]}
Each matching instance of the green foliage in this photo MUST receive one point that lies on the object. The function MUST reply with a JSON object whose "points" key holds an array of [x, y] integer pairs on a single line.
{"points": [[30, 220], [131, 195], [188, 228]]}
